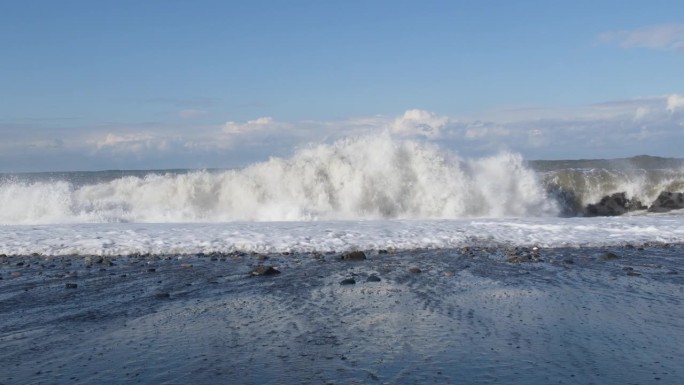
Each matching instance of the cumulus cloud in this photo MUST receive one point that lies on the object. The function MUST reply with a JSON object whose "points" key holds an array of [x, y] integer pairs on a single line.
{"points": [[663, 37], [675, 102], [651, 125], [419, 123]]}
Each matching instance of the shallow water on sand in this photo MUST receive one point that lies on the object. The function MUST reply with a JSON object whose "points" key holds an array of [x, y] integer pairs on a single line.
{"points": [[469, 316]]}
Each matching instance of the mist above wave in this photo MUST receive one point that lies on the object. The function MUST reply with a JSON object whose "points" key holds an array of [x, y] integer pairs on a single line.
{"points": [[372, 177]]}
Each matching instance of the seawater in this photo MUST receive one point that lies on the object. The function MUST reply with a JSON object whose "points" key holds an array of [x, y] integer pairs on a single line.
{"points": [[360, 193]]}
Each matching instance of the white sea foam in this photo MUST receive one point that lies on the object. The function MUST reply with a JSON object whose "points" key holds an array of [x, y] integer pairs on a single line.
{"points": [[590, 185], [323, 236], [372, 177]]}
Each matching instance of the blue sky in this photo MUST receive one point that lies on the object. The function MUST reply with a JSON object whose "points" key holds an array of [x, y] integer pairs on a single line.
{"points": [[157, 84]]}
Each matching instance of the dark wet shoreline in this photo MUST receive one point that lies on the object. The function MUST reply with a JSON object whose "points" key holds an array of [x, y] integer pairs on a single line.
{"points": [[479, 315]]}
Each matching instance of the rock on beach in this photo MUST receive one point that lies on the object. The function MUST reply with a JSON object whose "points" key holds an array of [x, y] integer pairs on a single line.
{"points": [[354, 256], [264, 271]]}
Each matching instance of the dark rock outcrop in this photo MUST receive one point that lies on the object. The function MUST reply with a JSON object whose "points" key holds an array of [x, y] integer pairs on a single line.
{"points": [[354, 256], [264, 271], [613, 205], [667, 201], [608, 256]]}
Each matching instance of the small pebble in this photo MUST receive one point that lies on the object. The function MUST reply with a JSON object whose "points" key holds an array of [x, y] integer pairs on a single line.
{"points": [[264, 270], [354, 256], [373, 278]]}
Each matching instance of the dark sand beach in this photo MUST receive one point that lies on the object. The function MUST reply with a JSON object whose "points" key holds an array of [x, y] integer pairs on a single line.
{"points": [[469, 315]]}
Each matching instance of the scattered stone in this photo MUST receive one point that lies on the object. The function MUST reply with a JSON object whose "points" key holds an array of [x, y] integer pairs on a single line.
{"points": [[348, 281], [186, 265], [354, 256], [667, 201], [569, 261], [414, 270], [633, 273], [608, 256], [382, 251], [15, 274], [151, 270], [373, 278], [264, 270], [262, 257], [162, 295], [449, 274], [627, 268], [613, 205], [71, 286]]}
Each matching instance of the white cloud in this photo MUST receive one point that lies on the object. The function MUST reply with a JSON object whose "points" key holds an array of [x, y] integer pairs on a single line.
{"points": [[479, 130], [651, 125], [250, 126], [675, 102], [641, 113], [132, 143], [664, 37], [419, 123]]}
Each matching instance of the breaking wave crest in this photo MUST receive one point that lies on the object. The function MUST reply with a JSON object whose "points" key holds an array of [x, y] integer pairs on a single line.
{"points": [[590, 185], [363, 178]]}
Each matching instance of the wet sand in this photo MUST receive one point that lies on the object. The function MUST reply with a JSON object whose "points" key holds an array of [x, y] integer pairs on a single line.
{"points": [[473, 315]]}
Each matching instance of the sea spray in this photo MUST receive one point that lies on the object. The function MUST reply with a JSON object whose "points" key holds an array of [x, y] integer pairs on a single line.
{"points": [[371, 177], [589, 185]]}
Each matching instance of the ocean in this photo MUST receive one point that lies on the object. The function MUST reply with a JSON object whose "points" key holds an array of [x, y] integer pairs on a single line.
{"points": [[489, 270], [365, 193]]}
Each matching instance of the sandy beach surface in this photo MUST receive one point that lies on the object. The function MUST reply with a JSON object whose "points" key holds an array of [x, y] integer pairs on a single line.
{"points": [[467, 315]]}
